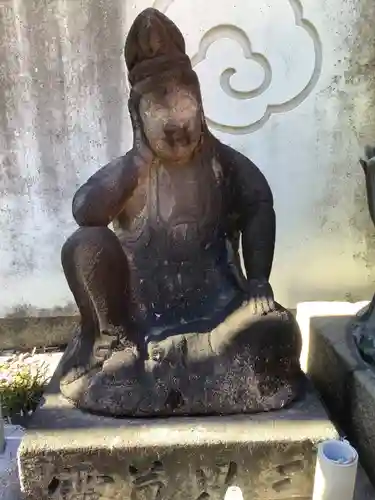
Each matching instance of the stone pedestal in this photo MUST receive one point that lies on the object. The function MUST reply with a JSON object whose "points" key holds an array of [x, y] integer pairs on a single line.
{"points": [[70, 455], [345, 381], [9, 484]]}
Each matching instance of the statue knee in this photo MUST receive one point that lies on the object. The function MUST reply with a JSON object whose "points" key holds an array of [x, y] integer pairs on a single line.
{"points": [[88, 241]]}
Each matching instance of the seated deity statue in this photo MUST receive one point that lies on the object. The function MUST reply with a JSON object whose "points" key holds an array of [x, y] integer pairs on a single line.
{"points": [[362, 326], [172, 321]]}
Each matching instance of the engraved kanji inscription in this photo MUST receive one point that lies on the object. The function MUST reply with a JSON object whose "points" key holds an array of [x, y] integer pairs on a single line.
{"points": [[80, 485], [211, 480], [148, 484]]}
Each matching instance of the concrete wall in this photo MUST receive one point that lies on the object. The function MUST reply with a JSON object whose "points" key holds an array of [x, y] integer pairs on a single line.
{"points": [[301, 105]]}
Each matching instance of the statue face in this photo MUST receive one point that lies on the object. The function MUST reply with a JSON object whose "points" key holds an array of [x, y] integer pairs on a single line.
{"points": [[172, 124]]}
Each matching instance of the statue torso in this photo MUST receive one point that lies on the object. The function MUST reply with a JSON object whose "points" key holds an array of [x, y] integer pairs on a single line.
{"points": [[173, 233]]}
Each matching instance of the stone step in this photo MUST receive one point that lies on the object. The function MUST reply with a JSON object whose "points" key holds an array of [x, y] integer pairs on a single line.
{"points": [[70, 455], [345, 381]]}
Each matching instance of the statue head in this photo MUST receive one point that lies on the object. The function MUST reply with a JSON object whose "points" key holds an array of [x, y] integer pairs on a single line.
{"points": [[165, 102]]}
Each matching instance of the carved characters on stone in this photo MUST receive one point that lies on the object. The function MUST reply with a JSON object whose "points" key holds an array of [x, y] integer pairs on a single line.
{"points": [[154, 481], [71, 484], [148, 484], [214, 480]]}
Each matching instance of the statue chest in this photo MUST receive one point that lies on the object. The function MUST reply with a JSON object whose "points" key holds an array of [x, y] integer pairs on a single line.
{"points": [[174, 210]]}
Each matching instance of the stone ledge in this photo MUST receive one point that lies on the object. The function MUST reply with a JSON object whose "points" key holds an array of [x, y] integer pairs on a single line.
{"points": [[345, 381], [66, 453], [23, 334]]}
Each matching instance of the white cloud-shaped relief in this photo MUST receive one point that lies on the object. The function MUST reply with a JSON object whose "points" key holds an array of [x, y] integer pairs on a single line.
{"points": [[253, 59]]}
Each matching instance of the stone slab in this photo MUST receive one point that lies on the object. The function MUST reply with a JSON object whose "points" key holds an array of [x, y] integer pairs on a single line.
{"points": [[70, 455], [345, 381], [363, 488], [306, 311], [9, 483]]}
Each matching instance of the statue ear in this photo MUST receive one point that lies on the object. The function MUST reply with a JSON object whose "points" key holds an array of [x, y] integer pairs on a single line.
{"points": [[137, 125], [140, 144]]}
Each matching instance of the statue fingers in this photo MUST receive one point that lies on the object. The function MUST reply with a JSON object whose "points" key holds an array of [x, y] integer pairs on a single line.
{"points": [[271, 306], [253, 305]]}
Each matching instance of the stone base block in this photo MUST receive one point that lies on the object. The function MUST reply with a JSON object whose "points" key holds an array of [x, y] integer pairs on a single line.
{"points": [[345, 381], [70, 455], [9, 484]]}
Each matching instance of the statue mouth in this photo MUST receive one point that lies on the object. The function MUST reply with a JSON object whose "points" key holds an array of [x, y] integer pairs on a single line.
{"points": [[180, 138]]}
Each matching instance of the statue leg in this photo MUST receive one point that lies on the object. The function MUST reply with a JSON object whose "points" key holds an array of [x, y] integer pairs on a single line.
{"points": [[275, 335], [97, 273]]}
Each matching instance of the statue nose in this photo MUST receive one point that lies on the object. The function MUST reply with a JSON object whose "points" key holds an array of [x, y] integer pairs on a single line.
{"points": [[176, 133]]}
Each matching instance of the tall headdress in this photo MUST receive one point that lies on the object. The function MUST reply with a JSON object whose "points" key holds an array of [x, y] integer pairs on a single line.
{"points": [[154, 46]]}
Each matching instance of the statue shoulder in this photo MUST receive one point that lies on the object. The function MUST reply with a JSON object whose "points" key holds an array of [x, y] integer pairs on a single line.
{"points": [[233, 160], [124, 161], [245, 178], [123, 169]]}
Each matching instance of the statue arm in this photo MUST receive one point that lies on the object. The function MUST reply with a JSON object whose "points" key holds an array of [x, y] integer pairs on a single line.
{"points": [[102, 197], [252, 202]]}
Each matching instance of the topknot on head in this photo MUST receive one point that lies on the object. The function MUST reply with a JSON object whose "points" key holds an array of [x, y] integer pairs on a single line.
{"points": [[153, 35]]}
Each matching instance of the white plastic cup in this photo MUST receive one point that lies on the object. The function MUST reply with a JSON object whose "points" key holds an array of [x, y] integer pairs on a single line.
{"points": [[336, 471], [233, 493]]}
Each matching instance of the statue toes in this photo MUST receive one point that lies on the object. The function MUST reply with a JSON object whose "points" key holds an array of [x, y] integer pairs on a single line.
{"points": [[156, 352]]}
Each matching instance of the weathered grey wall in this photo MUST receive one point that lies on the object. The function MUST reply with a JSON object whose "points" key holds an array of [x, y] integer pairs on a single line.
{"points": [[63, 114]]}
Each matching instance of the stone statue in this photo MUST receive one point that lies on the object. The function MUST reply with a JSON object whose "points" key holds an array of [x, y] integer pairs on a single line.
{"points": [[363, 326], [170, 325]]}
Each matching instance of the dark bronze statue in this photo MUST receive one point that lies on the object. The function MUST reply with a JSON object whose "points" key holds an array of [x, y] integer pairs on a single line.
{"points": [[363, 326], [170, 325]]}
